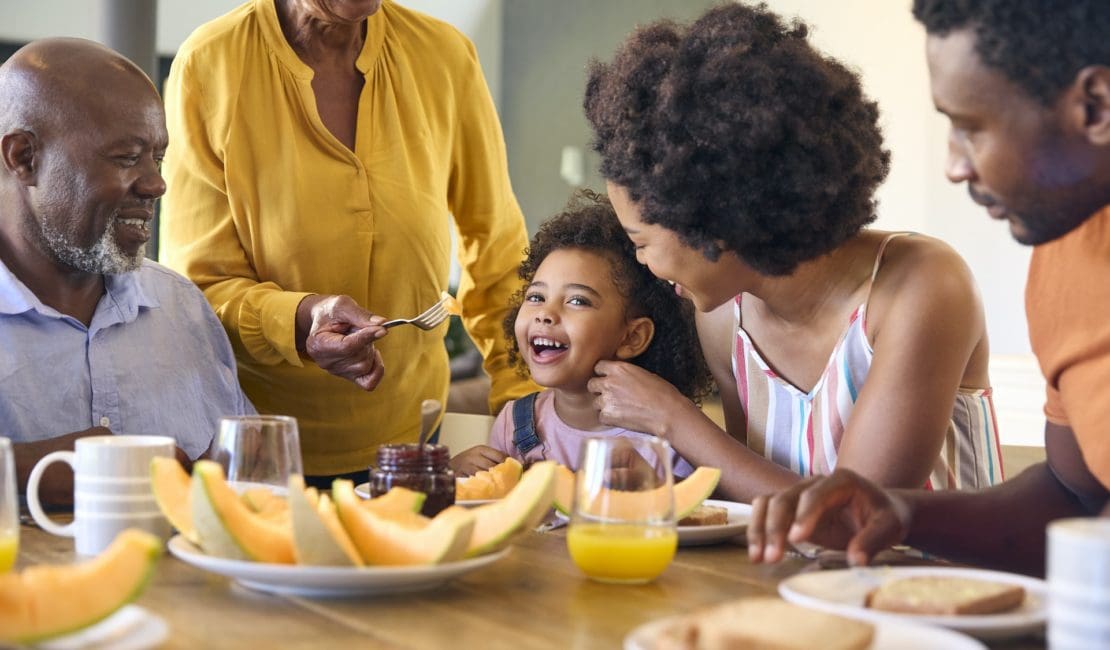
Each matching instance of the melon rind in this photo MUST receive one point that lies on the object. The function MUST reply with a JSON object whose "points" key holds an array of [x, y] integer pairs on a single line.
{"points": [[315, 542], [522, 509], [44, 601], [402, 538], [398, 499], [227, 527], [689, 493], [170, 484]]}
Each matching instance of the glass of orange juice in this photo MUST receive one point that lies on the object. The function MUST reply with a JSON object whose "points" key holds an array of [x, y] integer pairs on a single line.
{"points": [[9, 507], [622, 526]]}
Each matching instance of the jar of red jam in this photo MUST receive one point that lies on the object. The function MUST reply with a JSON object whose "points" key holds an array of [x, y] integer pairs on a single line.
{"points": [[424, 470]]}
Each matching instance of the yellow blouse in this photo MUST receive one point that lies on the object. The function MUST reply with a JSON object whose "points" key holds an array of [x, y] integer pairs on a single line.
{"points": [[266, 206]]}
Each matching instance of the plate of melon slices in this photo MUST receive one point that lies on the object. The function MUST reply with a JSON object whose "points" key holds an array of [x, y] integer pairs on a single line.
{"points": [[299, 540], [332, 581]]}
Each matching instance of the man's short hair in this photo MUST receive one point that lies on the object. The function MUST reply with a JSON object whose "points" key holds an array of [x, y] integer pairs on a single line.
{"points": [[1039, 45]]}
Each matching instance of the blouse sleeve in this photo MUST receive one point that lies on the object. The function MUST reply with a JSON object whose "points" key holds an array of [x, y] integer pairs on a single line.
{"points": [[197, 235]]}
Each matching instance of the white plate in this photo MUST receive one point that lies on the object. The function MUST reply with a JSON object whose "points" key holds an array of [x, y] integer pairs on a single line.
{"points": [[363, 490], [889, 635], [328, 581], [130, 628], [843, 592], [739, 514]]}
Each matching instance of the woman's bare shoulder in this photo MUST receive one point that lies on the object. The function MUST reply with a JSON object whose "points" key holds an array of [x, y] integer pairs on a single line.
{"points": [[922, 275]]}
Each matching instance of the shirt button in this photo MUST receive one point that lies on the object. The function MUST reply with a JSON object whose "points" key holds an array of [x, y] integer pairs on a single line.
{"points": [[104, 421]]}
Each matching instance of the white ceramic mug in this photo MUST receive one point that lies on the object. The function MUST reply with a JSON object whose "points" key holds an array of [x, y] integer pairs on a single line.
{"points": [[111, 489], [1079, 583]]}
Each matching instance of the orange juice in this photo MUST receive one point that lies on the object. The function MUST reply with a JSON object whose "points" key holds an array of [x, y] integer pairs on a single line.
{"points": [[9, 547], [622, 552]]}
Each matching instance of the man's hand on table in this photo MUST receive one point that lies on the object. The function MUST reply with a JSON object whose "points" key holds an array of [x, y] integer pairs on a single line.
{"points": [[839, 511], [339, 335]]}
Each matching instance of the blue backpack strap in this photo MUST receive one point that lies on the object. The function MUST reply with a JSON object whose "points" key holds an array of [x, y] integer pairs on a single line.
{"points": [[524, 424]]}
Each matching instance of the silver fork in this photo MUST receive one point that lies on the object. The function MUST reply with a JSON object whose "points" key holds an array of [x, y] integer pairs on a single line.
{"points": [[430, 319]]}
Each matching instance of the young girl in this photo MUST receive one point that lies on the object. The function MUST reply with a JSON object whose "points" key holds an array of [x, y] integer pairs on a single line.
{"points": [[585, 299]]}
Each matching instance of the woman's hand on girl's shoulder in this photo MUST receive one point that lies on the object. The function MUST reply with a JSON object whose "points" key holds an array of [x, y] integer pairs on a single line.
{"points": [[630, 397]]}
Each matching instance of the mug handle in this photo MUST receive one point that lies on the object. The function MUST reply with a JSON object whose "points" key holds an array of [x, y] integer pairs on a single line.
{"points": [[44, 522]]}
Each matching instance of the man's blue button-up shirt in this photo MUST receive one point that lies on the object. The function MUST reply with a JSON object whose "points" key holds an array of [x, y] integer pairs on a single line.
{"points": [[154, 360]]}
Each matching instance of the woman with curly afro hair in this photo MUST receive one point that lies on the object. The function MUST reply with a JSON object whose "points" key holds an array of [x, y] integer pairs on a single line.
{"points": [[586, 298], [742, 164]]}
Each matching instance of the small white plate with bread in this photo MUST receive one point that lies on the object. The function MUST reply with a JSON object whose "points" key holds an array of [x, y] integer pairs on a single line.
{"points": [[714, 521], [762, 622], [982, 603]]}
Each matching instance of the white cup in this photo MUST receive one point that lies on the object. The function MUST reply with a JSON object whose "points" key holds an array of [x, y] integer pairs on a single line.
{"points": [[1079, 583], [111, 489]]}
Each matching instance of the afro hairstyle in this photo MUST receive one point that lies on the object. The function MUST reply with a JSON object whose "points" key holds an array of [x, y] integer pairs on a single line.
{"points": [[736, 134]]}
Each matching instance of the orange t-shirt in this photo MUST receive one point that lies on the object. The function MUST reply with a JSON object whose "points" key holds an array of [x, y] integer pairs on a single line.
{"points": [[1067, 304]]}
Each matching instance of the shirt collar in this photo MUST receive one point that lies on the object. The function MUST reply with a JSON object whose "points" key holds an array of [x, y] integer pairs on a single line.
{"points": [[275, 39], [124, 290], [15, 297]]}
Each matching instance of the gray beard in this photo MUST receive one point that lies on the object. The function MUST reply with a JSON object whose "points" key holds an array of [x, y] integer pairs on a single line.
{"points": [[104, 256]]}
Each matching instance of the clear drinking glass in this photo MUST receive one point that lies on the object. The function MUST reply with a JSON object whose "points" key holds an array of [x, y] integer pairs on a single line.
{"points": [[258, 451], [622, 526], [9, 507]]}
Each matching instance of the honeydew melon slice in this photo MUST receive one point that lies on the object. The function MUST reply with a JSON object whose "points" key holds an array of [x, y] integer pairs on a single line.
{"points": [[492, 483], [48, 601], [170, 484], [519, 510], [402, 538], [318, 536], [227, 528], [688, 494], [398, 499]]}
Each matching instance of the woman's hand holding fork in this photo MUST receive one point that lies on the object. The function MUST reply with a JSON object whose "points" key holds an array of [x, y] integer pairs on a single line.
{"points": [[339, 336]]}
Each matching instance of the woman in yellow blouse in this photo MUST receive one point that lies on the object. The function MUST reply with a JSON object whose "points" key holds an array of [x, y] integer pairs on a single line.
{"points": [[317, 155]]}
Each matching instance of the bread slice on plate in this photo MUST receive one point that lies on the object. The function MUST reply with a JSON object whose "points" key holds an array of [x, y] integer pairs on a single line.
{"points": [[705, 515], [945, 595], [764, 624]]}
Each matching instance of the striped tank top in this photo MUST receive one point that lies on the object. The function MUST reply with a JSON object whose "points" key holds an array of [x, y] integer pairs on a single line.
{"points": [[802, 431]]}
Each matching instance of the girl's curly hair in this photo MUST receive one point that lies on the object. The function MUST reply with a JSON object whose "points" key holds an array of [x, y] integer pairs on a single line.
{"points": [[736, 134], [588, 223]]}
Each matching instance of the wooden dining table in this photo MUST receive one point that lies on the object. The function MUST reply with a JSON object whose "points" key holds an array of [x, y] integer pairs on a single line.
{"points": [[533, 598]]}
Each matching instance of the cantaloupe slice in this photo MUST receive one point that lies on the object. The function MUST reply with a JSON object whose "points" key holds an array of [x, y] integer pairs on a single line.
{"points": [[318, 536], [170, 484], [398, 499], [521, 509], [402, 538], [492, 483], [227, 528], [47, 601], [688, 494], [564, 489], [267, 504]]}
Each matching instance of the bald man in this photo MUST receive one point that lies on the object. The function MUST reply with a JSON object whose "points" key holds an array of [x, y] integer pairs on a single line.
{"points": [[94, 338]]}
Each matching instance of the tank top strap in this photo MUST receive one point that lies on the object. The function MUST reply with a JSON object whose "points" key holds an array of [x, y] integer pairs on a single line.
{"points": [[879, 260]]}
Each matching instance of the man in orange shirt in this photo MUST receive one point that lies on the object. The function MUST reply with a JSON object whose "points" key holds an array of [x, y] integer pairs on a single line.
{"points": [[1026, 87]]}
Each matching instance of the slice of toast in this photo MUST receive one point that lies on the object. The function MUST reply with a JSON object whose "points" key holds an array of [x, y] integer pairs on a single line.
{"points": [[764, 624], [945, 595], [705, 515]]}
